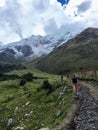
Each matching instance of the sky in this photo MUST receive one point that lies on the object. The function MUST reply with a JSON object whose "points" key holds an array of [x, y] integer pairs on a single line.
{"points": [[22, 18]]}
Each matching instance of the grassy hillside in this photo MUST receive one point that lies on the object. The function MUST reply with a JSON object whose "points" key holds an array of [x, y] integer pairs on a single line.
{"points": [[6, 67], [32, 105], [78, 54]]}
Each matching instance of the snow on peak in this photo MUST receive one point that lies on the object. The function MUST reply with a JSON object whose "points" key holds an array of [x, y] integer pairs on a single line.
{"points": [[36, 46]]}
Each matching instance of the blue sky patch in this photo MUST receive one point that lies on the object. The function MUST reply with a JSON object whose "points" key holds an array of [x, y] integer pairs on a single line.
{"points": [[63, 2]]}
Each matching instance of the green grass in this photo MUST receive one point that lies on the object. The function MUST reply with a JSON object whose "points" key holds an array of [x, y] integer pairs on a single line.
{"points": [[43, 108]]}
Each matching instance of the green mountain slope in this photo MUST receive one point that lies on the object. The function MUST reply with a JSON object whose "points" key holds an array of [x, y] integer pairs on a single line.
{"points": [[78, 54]]}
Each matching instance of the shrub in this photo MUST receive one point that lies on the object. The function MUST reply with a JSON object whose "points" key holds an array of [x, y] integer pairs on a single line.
{"points": [[22, 82], [28, 77], [47, 86]]}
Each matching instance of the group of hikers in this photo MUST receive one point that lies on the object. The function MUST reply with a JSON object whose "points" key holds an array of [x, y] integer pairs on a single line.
{"points": [[74, 81]]}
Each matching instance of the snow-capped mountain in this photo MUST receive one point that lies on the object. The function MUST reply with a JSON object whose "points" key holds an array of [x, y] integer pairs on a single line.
{"points": [[33, 47]]}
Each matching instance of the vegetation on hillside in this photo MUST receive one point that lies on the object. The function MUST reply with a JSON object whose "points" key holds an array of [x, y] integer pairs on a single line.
{"points": [[78, 54], [6, 67], [42, 102]]}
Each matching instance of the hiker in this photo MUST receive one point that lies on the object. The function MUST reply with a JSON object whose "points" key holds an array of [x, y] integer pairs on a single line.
{"points": [[61, 77], [69, 77], [74, 83]]}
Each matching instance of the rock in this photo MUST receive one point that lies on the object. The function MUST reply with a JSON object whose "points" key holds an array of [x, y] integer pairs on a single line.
{"points": [[64, 89], [27, 103], [44, 129], [27, 115], [20, 128], [16, 108], [31, 112], [58, 114], [10, 122], [61, 94]]}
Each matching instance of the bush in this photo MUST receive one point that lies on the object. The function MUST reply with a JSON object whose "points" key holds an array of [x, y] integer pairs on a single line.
{"points": [[8, 77], [47, 86], [22, 82], [25, 78], [28, 77]]}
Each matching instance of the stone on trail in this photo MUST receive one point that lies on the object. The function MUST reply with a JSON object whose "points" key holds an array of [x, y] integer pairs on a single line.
{"points": [[44, 129]]}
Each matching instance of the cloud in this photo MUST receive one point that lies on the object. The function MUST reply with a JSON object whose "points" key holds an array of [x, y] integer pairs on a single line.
{"points": [[23, 18], [9, 17], [41, 5], [84, 6], [48, 29]]}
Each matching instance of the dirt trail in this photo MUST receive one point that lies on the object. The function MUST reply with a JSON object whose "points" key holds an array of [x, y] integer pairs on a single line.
{"points": [[93, 89], [85, 116]]}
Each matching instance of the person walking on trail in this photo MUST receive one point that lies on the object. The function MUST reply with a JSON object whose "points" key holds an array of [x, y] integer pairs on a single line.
{"points": [[74, 83], [61, 77]]}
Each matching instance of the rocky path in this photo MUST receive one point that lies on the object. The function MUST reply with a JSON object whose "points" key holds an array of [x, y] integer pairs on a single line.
{"points": [[86, 117]]}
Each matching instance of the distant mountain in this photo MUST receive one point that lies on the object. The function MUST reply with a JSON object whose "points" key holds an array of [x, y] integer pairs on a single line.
{"points": [[30, 48], [77, 54]]}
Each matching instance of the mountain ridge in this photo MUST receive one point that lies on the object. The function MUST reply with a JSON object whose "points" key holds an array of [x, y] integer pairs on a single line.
{"points": [[30, 48], [77, 54]]}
